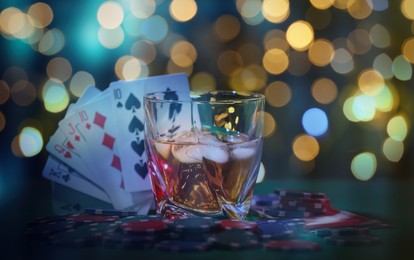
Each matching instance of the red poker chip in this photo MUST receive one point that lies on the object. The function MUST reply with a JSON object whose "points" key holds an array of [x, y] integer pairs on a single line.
{"points": [[85, 218], [292, 245], [144, 226], [237, 224]]}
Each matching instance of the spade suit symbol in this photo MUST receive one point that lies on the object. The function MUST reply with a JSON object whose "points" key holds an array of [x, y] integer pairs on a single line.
{"points": [[141, 169], [132, 103], [138, 146], [135, 125]]}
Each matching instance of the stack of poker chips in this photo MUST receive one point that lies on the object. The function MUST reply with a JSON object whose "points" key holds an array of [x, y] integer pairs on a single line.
{"points": [[127, 230]]}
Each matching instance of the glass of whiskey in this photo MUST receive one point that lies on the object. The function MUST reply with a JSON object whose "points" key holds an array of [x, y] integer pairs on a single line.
{"points": [[204, 151]]}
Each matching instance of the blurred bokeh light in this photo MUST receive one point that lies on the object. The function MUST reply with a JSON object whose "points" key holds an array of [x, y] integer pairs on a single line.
{"points": [[337, 74]]}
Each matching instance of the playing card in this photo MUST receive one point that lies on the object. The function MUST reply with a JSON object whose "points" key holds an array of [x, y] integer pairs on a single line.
{"points": [[127, 103], [93, 129], [58, 172]]}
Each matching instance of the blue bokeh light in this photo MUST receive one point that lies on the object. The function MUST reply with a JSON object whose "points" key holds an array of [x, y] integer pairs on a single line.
{"points": [[315, 122]]}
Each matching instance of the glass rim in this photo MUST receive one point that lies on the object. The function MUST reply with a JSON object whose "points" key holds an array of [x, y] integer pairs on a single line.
{"points": [[247, 97]]}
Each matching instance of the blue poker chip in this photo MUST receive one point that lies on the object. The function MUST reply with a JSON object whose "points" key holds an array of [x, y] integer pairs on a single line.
{"points": [[277, 213], [276, 229], [109, 212], [44, 230], [265, 200], [182, 246], [192, 225], [235, 239], [127, 241], [300, 194]]}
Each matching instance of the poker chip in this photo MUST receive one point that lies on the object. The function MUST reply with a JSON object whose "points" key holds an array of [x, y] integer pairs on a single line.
{"points": [[342, 231], [300, 194], [45, 220], [363, 240], [276, 229], [292, 245], [109, 212], [44, 230], [318, 205], [182, 246], [228, 224], [290, 213], [192, 225], [144, 226], [235, 239], [264, 200], [127, 241], [87, 218]]}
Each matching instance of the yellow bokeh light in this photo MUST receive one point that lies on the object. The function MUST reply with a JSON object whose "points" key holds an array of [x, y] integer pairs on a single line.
{"points": [[393, 150], [408, 49], [278, 94], [59, 69], [249, 9], [2, 121], [397, 128], [359, 9], [385, 100], [370, 82], [5, 17], [407, 8], [203, 81], [55, 96], [275, 61], [183, 53], [276, 11], [321, 52], [364, 166], [110, 15], [324, 90], [4, 92], [230, 63], [305, 147], [111, 38], [41, 14], [269, 126], [79, 82], [30, 141], [131, 69], [250, 78], [142, 8], [227, 27], [300, 35], [183, 10], [322, 4], [276, 39], [23, 93]]}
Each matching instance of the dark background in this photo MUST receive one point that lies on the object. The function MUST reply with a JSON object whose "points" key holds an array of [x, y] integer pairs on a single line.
{"points": [[20, 176]]}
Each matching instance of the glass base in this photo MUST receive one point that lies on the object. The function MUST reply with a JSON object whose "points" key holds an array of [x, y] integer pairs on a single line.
{"points": [[171, 211]]}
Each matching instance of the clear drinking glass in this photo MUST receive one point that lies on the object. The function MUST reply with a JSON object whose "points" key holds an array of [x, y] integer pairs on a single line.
{"points": [[204, 151]]}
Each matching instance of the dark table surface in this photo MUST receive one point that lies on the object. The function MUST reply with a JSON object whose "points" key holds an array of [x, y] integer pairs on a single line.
{"points": [[389, 200]]}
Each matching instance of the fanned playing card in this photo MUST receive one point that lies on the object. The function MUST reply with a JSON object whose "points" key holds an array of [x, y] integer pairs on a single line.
{"points": [[127, 103]]}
